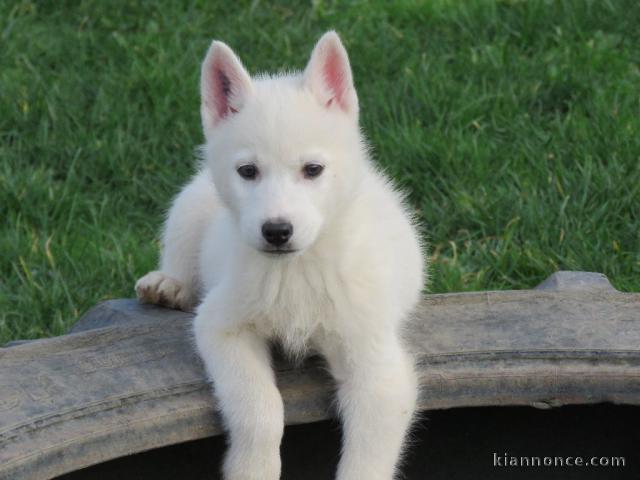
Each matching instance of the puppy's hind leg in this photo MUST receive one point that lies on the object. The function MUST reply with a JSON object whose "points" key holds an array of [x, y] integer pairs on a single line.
{"points": [[177, 283]]}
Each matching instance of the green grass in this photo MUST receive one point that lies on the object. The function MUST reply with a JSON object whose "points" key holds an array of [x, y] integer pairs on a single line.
{"points": [[514, 125]]}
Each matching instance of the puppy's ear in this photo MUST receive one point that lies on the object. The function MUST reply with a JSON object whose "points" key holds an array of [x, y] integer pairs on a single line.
{"points": [[224, 85], [328, 75]]}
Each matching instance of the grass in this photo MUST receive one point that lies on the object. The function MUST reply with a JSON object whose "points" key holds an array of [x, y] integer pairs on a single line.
{"points": [[514, 125]]}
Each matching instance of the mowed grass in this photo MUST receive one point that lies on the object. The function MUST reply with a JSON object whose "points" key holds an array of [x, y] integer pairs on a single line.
{"points": [[513, 125]]}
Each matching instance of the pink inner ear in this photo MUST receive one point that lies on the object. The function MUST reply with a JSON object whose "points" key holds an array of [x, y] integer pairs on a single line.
{"points": [[334, 73], [221, 88]]}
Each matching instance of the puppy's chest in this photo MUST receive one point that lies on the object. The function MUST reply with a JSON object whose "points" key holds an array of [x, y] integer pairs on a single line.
{"points": [[295, 302]]}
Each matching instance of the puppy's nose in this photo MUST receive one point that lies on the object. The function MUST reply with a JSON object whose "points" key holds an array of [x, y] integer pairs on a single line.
{"points": [[277, 233]]}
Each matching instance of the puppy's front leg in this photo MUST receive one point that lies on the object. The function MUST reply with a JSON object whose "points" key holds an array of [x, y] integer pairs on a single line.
{"points": [[239, 363], [377, 393]]}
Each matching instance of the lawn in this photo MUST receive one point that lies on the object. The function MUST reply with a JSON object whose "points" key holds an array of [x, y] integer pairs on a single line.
{"points": [[513, 125]]}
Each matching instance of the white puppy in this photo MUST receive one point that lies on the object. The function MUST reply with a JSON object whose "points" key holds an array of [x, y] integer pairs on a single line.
{"points": [[289, 233]]}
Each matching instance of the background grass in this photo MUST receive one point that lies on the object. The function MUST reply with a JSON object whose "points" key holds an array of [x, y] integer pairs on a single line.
{"points": [[514, 125]]}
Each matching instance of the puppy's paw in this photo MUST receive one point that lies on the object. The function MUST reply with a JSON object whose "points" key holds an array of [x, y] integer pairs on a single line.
{"points": [[159, 288], [249, 467]]}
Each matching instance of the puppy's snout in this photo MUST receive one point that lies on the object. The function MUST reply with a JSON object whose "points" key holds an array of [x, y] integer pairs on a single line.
{"points": [[277, 233]]}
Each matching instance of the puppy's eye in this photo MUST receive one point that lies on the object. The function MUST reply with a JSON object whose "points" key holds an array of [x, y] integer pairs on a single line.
{"points": [[312, 170], [248, 172]]}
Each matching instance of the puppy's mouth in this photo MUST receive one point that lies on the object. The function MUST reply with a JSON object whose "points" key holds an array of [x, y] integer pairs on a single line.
{"points": [[278, 251]]}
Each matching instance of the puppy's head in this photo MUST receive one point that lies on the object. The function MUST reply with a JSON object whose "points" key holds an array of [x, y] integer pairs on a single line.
{"points": [[285, 150]]}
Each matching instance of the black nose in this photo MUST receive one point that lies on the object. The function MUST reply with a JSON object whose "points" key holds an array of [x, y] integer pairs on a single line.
{"points": [[277, 233]]}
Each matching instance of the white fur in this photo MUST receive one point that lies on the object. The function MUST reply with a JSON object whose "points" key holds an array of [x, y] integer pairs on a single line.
{"points": [[345, 292]]}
